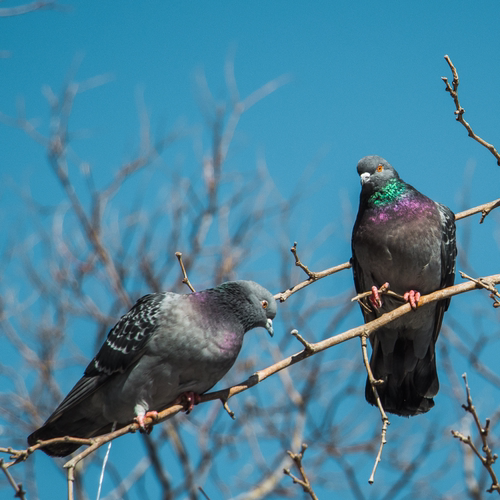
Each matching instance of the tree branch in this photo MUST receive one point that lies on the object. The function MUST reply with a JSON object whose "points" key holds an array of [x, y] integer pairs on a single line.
{"points": [[489, 458], [459, 113], [224, 395], [303, 480]]}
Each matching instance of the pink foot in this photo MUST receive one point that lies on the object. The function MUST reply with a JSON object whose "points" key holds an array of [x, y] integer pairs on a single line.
{"points": [[412, 296], [189, 399], [147, 428], [375, 299]]}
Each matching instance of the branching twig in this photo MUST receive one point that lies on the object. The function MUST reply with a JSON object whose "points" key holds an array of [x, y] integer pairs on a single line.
{"points": [[298, 263], [303, 480], [185, 278], [485, 209], [312, 276], [489, 458], [308, 347], [18, 487], [459, 113], [482, 282], [383, 415]]}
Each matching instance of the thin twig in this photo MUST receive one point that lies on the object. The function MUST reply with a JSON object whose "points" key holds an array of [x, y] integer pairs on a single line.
{"points": [[303, 480], [308, 347], [385, 419], [489, 458], [18, 487], [485, 209], [312, 276], [185, 278], [229, 411], [459, 113], [482, 282], [298, 263], [71, 482]]}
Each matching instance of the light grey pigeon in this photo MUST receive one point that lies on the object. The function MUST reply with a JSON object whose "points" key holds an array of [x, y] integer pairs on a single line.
{"points": [[404, 238], [166, 346]]}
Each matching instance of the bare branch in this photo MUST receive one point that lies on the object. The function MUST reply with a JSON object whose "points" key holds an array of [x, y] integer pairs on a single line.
{"points": [[313, 276], [482, 282], [459, 113], [18, 487], [489, 458], [304, 480], [185, 278], [224, 395], [385, 420]]}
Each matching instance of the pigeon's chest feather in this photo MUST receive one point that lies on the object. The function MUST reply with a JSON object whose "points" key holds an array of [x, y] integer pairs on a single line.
{"points": [[218, 336], [400, 242]]}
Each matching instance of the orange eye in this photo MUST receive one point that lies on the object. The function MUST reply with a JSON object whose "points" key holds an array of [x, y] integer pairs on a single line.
{"points": [[380, 168], [264, 303]]}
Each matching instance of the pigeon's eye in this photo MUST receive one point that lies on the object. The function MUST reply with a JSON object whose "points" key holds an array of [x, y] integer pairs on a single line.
{"points": [[380, 168], [264, 303]]}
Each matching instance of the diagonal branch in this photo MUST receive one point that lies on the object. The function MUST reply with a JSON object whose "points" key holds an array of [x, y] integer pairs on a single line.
{"points": [[259, 376]]}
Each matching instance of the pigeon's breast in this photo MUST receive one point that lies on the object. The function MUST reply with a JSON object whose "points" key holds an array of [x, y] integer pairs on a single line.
{"points": [[401, 244]]}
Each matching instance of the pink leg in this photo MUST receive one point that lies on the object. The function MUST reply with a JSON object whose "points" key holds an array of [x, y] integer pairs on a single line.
{"points": [[189, 399], [147, 428], [412, 296], [375, 299]]}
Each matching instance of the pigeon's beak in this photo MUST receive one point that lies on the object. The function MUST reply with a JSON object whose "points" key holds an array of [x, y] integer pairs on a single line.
{"points": [[364, 177], [269, 326]]}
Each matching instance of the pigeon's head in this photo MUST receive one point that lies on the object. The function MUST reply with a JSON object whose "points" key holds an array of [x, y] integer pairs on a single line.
{"points": [[253, 304], [374, 173]]}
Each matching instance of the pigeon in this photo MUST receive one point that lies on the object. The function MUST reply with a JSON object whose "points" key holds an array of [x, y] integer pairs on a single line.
{"points": [[166, 347], [406, 241]]}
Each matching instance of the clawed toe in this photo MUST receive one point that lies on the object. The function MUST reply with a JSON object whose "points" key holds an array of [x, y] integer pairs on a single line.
{"points": [[189, 400], [143, 427], [375, 299], [412, 296]]}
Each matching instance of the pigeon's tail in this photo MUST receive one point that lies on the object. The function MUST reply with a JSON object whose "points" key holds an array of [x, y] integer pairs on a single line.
{"points": [[409, 383], [60, 427]]}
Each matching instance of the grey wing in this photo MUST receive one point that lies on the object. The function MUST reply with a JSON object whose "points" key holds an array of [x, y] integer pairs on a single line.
{"points": [[122, 348], [448, 258]]}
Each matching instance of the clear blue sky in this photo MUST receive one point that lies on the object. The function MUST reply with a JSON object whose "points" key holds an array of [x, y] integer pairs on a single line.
{"points": [[365, 78]]}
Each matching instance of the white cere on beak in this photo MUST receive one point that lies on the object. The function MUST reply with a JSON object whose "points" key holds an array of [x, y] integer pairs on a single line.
{"points": [[269, 326], [364, 177]]}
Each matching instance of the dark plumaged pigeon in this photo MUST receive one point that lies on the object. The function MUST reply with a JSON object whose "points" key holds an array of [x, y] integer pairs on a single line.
{"points": [[406, 239], [166, 346]]}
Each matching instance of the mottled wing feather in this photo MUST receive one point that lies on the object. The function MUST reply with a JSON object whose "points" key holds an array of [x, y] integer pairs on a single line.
{"points": [[127, 338], [122, 348]]}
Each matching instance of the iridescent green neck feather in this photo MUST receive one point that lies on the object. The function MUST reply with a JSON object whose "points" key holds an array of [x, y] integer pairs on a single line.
{"points": [[393, 190]]}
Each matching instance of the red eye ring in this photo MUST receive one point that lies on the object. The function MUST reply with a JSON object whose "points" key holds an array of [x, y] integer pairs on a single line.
{"points": [[264, 303]]}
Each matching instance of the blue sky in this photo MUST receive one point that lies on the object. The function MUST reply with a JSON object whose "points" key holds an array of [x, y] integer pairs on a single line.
{"points": [[364, 78]]}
